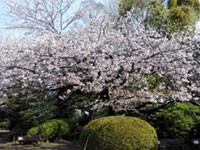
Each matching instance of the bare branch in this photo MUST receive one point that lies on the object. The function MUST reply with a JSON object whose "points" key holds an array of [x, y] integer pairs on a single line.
{"points": [[39, 15]]}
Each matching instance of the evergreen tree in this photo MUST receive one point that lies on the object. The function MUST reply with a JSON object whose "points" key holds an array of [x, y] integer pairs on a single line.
{"points": [[166, 18], [28, 107], [183, 13]]}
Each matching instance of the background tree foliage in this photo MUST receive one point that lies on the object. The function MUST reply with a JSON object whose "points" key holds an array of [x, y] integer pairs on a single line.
{"points": [[164, 16], [176, 120], [140, 8], [183, 13], [28, 108]]}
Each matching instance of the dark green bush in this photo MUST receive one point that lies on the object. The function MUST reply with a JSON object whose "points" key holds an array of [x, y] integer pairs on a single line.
{"points": [[118, 133], [73, 122], [51, 130], [176, 120]]}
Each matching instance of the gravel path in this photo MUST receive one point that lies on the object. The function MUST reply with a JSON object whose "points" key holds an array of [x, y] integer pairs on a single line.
{"points": [[64, 145]]}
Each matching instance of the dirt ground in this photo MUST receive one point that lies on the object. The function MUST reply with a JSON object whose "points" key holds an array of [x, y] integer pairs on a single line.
{"points": [[63, 145]]}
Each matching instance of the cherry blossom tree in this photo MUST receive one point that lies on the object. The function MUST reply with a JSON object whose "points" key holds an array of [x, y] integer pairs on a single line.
{"points": [[103, 57], [39, 15]]}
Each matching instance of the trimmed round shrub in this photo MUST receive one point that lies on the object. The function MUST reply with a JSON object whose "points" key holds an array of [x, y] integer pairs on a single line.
{"points": [[118, 133], [51, 130]]}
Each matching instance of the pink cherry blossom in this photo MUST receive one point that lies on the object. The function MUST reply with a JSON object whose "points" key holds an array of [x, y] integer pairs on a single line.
{"points": [[103, 55]]}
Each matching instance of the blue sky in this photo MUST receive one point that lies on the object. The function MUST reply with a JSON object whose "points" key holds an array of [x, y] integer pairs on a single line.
{"points": [[2, 11], [4, 19]]}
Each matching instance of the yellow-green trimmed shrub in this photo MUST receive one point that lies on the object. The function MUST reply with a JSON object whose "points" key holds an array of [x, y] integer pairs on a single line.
{"points": [[118, 133], [51, 130], [34, 131]]}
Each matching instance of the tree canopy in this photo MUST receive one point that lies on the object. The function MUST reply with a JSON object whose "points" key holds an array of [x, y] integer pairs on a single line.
{"points": [[101, 58]]}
